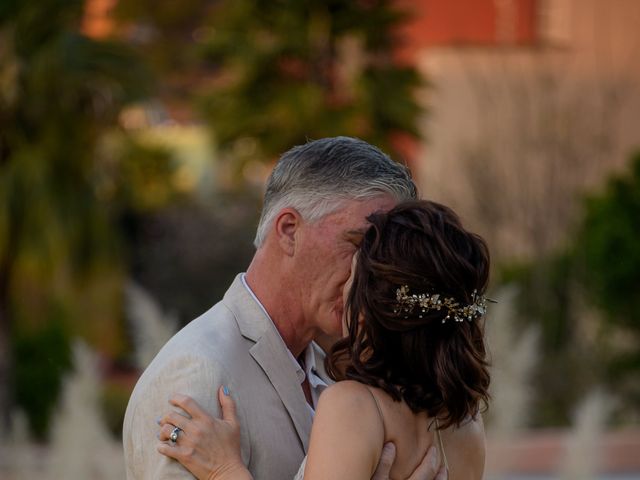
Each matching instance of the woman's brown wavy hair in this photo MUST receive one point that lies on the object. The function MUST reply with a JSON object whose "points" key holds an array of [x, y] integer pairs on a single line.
{"points": [[437, 367]]}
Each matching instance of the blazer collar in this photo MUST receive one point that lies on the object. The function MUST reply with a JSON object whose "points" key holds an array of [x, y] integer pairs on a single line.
{"points": [[271, 353]]}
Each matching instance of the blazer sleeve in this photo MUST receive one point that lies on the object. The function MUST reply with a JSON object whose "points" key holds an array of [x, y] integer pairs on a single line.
{"points": [[195, 376]]}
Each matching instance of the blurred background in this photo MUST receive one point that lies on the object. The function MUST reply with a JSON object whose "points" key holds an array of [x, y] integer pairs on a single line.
{"points": [[135, 138]]}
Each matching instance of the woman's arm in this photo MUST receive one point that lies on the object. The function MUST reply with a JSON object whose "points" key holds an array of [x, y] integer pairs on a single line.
{"points": [[347, 434]]}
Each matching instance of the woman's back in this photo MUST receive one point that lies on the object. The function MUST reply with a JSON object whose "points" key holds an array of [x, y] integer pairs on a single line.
{"points": [[412, 434], [354, 421], [461, 449]]}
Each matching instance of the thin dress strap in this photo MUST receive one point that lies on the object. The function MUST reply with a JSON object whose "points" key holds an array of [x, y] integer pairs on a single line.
{"points": [[384, 429], [442, 454]]}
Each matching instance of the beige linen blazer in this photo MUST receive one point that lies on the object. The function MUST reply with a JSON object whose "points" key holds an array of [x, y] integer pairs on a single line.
{"points": [[233, 344]]}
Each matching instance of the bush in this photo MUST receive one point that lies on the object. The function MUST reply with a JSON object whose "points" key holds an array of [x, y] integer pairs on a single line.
{"points": [[609, 252], [586, 302], [610, 249], [41, 359], [568, 367]]}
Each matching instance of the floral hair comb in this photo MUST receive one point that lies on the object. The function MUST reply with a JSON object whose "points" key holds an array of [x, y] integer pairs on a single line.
{"points": [[407, 303]]}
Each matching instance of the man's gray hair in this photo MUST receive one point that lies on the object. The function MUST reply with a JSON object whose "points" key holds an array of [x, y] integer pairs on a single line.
{"points": [[316, 178]]}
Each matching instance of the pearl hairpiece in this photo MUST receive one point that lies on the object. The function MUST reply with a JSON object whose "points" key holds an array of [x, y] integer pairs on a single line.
{"points": [[434, 301]]}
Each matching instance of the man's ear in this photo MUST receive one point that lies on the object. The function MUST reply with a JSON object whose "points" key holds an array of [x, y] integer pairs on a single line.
{"points": [[287, 224]]}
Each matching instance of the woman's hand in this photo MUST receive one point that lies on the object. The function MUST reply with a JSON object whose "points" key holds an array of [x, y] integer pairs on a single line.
{"points": [[206, 446], [429, 468]]}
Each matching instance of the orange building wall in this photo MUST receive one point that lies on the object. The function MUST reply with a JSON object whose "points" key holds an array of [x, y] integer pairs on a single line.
{"points": [[466, 22]]}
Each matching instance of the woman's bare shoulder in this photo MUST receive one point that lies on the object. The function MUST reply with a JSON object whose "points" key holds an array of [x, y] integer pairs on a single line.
{"points": [[345, 430], [350, 405], [347, 394]]}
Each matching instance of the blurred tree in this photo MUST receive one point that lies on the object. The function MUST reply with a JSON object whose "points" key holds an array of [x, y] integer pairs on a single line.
{"points": [[609, 241], [568, 365], [609, 252], [44, 356], [585, 299], [279, 73], [60, 186]]}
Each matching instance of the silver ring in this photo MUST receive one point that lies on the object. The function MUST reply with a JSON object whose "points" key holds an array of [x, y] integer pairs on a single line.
{"points": [[174, 434]]}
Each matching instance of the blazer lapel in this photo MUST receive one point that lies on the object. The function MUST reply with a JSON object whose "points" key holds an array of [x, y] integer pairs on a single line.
{"points": [[277, 365], [272, 355]]}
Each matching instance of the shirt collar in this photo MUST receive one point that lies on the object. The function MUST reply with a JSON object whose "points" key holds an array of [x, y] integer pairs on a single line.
{"points": [[310, 367]]}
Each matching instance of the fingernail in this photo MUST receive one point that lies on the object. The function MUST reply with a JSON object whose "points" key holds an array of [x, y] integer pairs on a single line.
{"points": [[225, 390]]}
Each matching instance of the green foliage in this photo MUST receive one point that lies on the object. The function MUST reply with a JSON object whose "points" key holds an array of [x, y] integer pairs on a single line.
{"points": [[61, 194], [609, 251], [585, 300], [279, 73], [42, 358], [567, 368], [64, 91], [545, 291], [297, 70], [134, 176], [610, 248]]}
